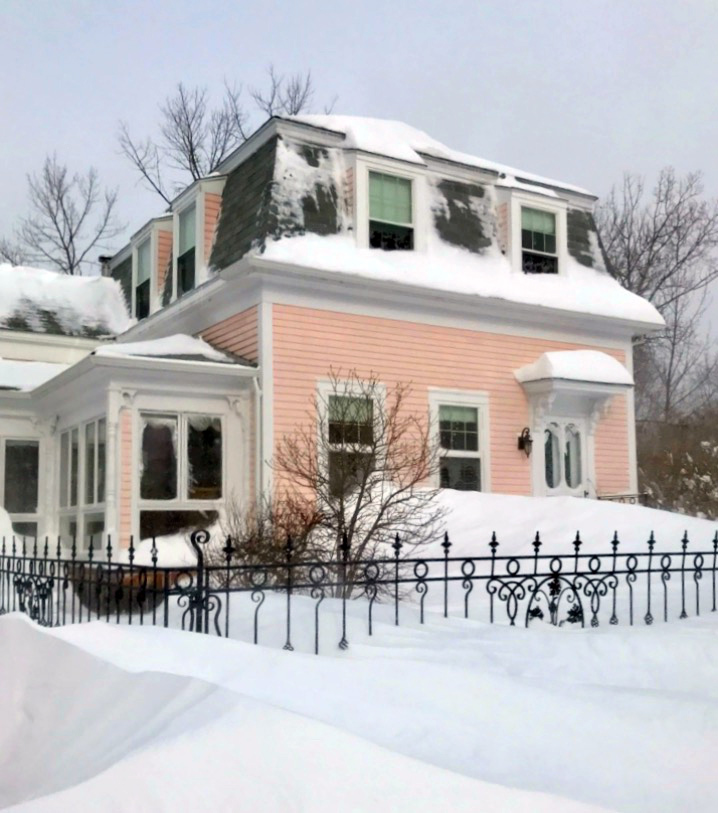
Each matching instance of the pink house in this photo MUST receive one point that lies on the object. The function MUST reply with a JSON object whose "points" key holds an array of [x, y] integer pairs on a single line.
{"points": [[329, 242]]}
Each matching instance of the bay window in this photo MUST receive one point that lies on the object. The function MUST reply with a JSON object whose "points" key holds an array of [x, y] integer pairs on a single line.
{"points": [[538, 241], [142, 282], [390, 212], [181, 472], [186, 250], [83, 455]]}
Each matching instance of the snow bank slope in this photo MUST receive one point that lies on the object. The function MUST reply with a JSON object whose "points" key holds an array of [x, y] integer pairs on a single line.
{"points": [[83, 734], [472, 517]]}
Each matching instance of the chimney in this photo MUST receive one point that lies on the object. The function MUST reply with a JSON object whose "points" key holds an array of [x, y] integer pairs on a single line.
{"points": [[104, 261]]}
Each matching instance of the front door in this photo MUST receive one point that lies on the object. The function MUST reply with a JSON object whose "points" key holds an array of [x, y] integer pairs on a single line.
{"points": [[564, 456]]}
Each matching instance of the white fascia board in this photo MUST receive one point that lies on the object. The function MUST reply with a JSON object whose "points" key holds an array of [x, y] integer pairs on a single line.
{"points": [[53, 340], [488, 308], [573, 386]]}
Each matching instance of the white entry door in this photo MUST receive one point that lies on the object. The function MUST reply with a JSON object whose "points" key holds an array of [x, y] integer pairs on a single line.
{"points": [[565, 455]]}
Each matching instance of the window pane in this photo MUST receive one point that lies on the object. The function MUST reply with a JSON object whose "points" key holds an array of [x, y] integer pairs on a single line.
{"points": [[158, 478], [94, 528], [389, 198], [185, 272], [204, 458], [64, 464], [142, 300], [552, 461], [90, 463], [347, 470], [187, 220], [74, 465], [22, 458], [26, 529], [101, 460], [144, 261], [537, 221], [461, 473], [572, 459], [351, 420], [390, 238], [459, 428]]}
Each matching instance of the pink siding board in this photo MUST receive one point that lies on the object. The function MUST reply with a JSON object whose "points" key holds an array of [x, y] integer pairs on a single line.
{"points": [[164, 255], [308, 342], [212, 204]]}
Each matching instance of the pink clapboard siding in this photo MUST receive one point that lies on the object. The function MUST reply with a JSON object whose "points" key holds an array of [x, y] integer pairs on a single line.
{"points": [[238, 334], [125, 489], [307, 343], [164, 258], [212, 204]]}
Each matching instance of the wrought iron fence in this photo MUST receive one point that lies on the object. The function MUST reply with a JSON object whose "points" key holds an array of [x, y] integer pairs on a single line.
{"points": [[56, 587]]}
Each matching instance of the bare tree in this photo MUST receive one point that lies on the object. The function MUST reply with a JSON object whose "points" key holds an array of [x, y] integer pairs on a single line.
{"points": [[11, 252], [195, 136], [71, 217], [366, 461], [663, 245]]}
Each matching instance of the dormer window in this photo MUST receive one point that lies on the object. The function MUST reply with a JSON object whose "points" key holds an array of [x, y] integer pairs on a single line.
{"points": [[186, 250], [142, 284], [538, 242], [390, 212]]}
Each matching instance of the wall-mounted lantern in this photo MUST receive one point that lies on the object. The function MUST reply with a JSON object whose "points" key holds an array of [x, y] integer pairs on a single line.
{"points": [[526, 441]]}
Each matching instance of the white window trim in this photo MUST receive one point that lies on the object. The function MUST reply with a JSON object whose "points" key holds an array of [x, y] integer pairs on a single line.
{"points": [[558, 208], [471, 398], [419, 197], [181, 502]]}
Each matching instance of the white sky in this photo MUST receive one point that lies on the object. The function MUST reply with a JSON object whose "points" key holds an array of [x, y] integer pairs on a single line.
{"points": [[579, 90]]}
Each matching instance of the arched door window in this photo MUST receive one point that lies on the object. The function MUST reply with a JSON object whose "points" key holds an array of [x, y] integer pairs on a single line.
{"points": [[572, 457], [552, 456]]}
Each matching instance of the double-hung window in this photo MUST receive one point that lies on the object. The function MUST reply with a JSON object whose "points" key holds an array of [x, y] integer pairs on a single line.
{"points": [[142, 284], [390, 212], [350, 427], [21, 464], [538, 241], [459, 435], [186, 250]]}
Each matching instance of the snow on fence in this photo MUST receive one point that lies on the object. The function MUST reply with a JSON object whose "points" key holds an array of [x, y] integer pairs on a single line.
{"points": [[575, 589]]}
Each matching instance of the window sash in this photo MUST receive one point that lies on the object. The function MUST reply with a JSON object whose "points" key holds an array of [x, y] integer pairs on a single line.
{"points": [[390, 199], [21, 491], [186, 458], [187, 230], [350, 420], [144, 261]]}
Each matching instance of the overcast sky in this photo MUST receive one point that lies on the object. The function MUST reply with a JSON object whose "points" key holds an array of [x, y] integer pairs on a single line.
{"points": [[579, 90]]}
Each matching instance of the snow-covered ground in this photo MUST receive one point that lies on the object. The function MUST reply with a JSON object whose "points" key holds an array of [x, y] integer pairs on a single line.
{"points": [[455, 714]]}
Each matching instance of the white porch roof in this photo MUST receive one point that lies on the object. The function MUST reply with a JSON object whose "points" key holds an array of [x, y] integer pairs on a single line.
{"points": [[580, 366]]}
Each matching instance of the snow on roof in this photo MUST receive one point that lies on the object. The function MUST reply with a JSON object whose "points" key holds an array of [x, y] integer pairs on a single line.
{"points": [[179, 346], [26, 375], [395, 139], [454, 270], [41, 301], [576, 365]]}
